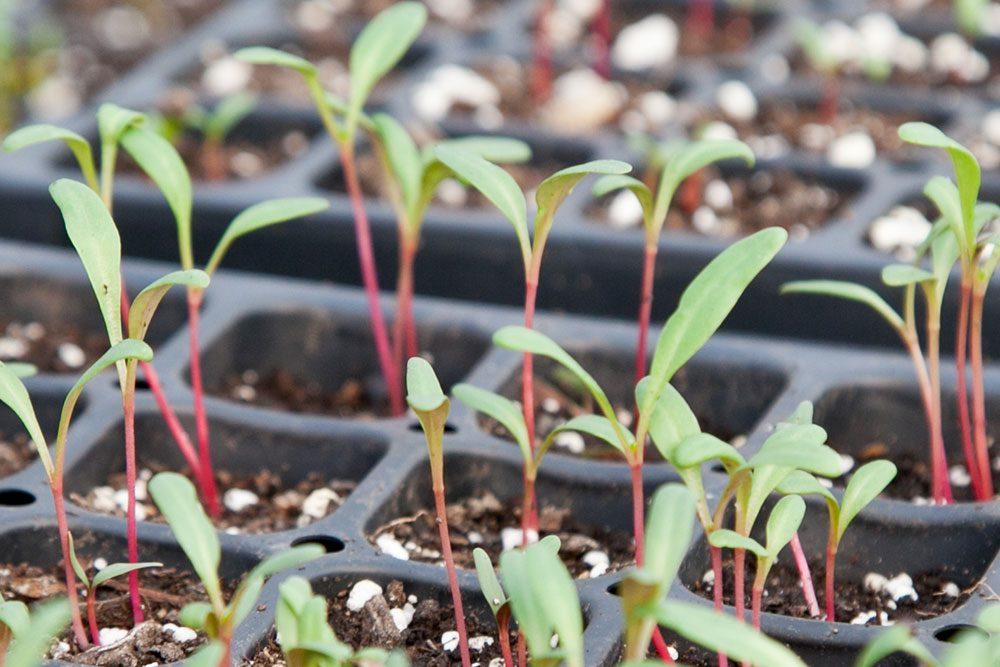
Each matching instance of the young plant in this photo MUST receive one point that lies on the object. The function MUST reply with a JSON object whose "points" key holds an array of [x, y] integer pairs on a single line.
{"points": [[378, 48], [106, 574], [213, 126], [425, 398], [644, 592], [412, 177], [26, 636], [306, 638], [782, 524], [681, 163], [811, 41], [497, 600], [14, 395], [963, 219], [970, 16], [978, 645], [500, 188], [177, 501], [700, 20], [867, 482], [27, 57]]}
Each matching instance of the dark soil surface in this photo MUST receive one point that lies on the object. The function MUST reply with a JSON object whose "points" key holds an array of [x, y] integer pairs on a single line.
{"points": [[373, 626], [164, 591], [925, 78], [766, 198], [733, 30], [805, 128], [357, 399], [280, 507], [55, 348], [16, 453], [478, 522], [783, 595]]}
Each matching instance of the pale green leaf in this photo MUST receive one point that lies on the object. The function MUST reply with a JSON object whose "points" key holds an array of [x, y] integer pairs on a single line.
{"points": [[15, 396], [783, 523], [525, 606], [403, 157], [865, 485], [897, 639], [14, 616], [608, 184], [495, 596], [849, 291], [724, 538], [115, 570], [227, 114], [500, 150], [36, 134], [263, 55], [75, 563], [425, 398], [802, 483], [505, 411], [48, 619], [209, 655], [146, 302], [901, 275], [114, 121], [596, 425], [692, 158], [552, 192], [195, 615], [552, 584], [701, 448], [246, 595], [672, 419], [669, 527]]}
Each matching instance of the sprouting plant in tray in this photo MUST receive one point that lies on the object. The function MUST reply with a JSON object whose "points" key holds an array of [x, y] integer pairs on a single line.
{"points": [[500, 188], [27, 56], [377, 49], [14, 395], [177, 501], [105, 574], [425, 398], [412, 176], [306, 638], [26, 635], [644, 591], [977, 645], [682, 162], [213, 126], [970, 16]]}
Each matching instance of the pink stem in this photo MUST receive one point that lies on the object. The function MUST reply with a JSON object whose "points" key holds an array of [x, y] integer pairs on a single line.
{"points": [[831, 566], [541, 71], [808, 590], [756, 594], [95, 632], [529, 521], [74, 606], [449, 561], [602, 40], [130, 520], [503, 628], [645, 310], [933, 423], [978, 396], [739, 566], [717, 585], [638, 511], [404, 338], [962, 388], [369, 276], [207, 476]]}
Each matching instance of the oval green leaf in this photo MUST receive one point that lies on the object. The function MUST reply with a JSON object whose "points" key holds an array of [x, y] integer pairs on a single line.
{"points": [[497, 407], [865, 485], [146, 302], [849, 291]]}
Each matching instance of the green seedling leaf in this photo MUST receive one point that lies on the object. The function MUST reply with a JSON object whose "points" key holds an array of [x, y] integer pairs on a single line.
{"points": [[47, 620], [668, 532], [553, 586], [689, 159], [801, 483], [608, 184], [14, 616], [114, 121], [264, 55], [95, 237], [210, 655], [672, 419], [794, 435], [227, 114], [246, 595], [15, 396], [146, 302], [724, 538], [501, 150], [810, 39], [970, 15], [707, 302], [37, 134], [425, 398], [195, 615], [600, 427], [865, 485], [75, 562], [967, 172], [943, 193], [264, 214], [701, 448], [115, 570], [403, 157], [819, 459], [901, 275], [897, 639], [22, 370], [379, 47], [160, 161], [525, 605], [989, 619], [177, 501], [782, 524], [507, 412], [552, 192], [724, 634], [495, 596], [849, 291], [495, 184]]}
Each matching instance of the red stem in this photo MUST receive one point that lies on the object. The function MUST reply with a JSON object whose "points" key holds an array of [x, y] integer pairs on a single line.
{"points": [[701, 18], [404, 343], [95, 632], [449, 561], [369, 276], [829, 102], [638, 511], [645, 309], [756, 594], [661, 647], [503, 628], [940, 493], [130, 522], [541, 71], [602, 40], [962, 388], [529, 512], [831, 566], [808, 590], [939, 461], [74, 606], [739, 568], [529, 521], [689, 195], [716, 554], [522, 650], [206, 469], [978, 396]]}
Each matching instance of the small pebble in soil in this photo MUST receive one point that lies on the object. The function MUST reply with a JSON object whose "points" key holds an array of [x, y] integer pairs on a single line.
{"points": [[512, 538], [582, 100], [950, 589], [854, 150], [647, 44], [449, 640], [846, 463], [112, 635], [718, 130], [317, 505], [990, 126], [571, 441], [899, 232], [959, 476], [598, 562], [361, 593], [237, 500], [180, 633], [71, 355], [624, 210], [737, 101], [450, 85], [477, 644], [390, 546]]}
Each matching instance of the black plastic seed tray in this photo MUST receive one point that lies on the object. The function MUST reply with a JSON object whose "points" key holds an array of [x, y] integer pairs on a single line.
{"points": [[745, 383]]}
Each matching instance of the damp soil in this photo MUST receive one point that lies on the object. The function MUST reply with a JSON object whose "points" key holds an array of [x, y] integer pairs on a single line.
{"points": [[16, 453], [164, 592], [478, 522], [280, 389], [54, 348], [279, 507], [760, 199], [805, 128], [783, 595], [373, 626], [733, 31]]}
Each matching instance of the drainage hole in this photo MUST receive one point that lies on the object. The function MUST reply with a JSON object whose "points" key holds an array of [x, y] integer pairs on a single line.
{"points": [[448, 427], [15, 498], [951, 633], [330, 544]]}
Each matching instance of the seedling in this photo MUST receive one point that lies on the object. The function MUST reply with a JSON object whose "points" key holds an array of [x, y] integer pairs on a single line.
{"points": [[497, 600], [865, 485], [701, 19], [14, 395], [500, 188], [424, 395], [970, 15], [681, 163], [177, 501], [811, 42], [25, 637], [379, 47], [644, 594], [106, 574], [306, 638], [26, 58], [979, 645], [413, 176], [213, 126]]}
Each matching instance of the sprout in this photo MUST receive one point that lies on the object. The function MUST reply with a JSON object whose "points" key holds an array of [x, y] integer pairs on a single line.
{"points": [[107, 573], [378, 48], [977, 645], [175, 497], [424, 395], [31, 633], [681, 163], [14, 395]]}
